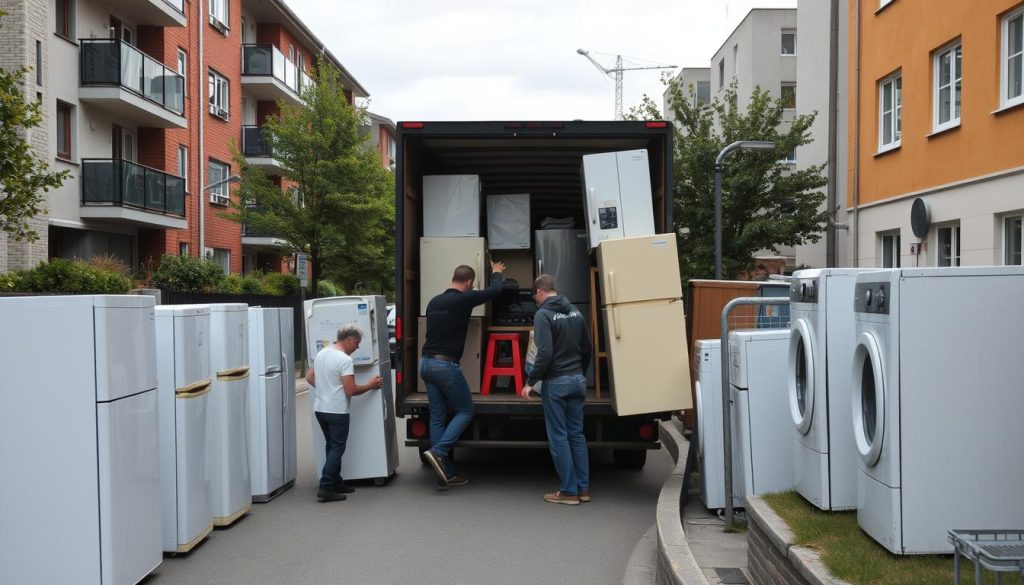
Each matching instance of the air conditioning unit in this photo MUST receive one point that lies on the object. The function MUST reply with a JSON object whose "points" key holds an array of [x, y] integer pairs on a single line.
{"points": [[219, 199], [208, 254], [217, 24], [219, 112]]}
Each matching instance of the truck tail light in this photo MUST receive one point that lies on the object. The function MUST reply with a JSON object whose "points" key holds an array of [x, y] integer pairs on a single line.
{"points": [[412, 125], [646, 431], [418, 428], [398, 377], [657, 124], [398, 329]]}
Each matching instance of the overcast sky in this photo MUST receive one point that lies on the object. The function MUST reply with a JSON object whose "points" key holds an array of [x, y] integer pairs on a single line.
{"points": [[516, 60]]}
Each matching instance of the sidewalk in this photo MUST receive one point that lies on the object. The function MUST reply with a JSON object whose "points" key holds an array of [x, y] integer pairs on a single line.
{"points": [[721, 556]]}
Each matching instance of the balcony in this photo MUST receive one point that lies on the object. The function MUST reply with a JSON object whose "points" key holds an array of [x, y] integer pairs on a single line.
{"points": [[149, 12], [131, 85], [124, 191], [268, 75], [252, 237], [259, 152]]}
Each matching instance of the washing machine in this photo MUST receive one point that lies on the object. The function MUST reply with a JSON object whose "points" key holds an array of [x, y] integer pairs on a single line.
{"points": [[760, 410], [707, 375], [937, 398], [820, 358]]}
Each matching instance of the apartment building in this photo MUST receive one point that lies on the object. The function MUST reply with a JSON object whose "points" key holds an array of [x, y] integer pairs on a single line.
{"points": [[143, 102], [689, 79], [936, 114], [381, 131]]}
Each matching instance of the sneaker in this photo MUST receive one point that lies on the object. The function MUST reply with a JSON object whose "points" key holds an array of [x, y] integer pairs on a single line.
{"points": [[457, 481], [560, 498], [344, 489], [329, 496], [437, 462], [584, 495]]}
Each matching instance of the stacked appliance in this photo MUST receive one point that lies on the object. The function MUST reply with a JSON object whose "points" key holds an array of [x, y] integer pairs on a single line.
{"points": [[272, 449], [229, 412], [372, 451], [565, 255], [508, 221], [183, 370], [471, 361], [438, 259], [617, 188], [936, 400], [760, 411], [451, 206], [820, 360], [79, 442], [646, 328], [710, 448]]}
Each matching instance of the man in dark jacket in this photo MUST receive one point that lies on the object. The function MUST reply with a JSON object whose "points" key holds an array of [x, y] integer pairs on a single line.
{"points": [[447, 323], [563, 355]]}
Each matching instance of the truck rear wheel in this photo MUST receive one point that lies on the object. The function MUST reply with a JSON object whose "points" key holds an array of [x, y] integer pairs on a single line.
{"points": [[630, 458]]}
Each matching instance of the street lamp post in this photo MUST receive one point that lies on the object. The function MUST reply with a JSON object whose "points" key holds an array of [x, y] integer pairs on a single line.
{"points": [[201, 252], [745, 146]]}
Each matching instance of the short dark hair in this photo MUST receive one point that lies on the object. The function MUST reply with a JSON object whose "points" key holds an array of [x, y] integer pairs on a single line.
{"points": [[463, 273], [545, 282], [350, 331]]}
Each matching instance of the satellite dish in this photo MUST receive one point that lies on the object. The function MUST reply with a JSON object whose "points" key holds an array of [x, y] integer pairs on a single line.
{"points": [[920, 220]]}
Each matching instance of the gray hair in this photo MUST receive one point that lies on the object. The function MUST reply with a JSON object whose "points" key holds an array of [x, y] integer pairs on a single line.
{"points": [[350, 331]]}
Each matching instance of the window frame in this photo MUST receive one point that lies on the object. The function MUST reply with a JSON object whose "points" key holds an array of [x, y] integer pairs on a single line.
{"points": [[782, 87], [1019, 219], [225, 254], [66, 129], [220, 21], [221, 194], [182, 66], [183, 249], [895, 79], [1004, 59], [893, 257], [219, 88], [955, 49], [183, 164], [721, 73], [782, 42], [68, 32], [955, 244]]}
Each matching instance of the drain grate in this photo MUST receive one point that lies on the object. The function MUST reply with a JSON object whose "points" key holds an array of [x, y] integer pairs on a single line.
{"points": [[732, 577]]}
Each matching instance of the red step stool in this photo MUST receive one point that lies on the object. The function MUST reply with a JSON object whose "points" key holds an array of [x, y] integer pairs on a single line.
{"points": [[491, 369]]}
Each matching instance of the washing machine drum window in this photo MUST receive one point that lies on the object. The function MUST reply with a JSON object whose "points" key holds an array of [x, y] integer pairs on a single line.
{"points": [[801, 377], [868, 399], [868, 404]]}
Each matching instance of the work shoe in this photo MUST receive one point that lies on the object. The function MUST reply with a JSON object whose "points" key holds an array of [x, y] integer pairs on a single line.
{"points": [[329, 496], [560, 498], [584, 495], [344, 489], [457, 481], [437, 462]]}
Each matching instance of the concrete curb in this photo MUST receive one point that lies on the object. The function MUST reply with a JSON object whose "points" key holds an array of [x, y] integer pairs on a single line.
{"points": [[675, 562], [641, 569], [804, 560]]}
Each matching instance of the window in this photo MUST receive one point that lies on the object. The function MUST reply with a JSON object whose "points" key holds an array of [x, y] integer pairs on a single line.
{"points": [[65, 115], [183, 66], [1012, 236], [219, 14], [1013, 58], [790, 158], [65, 12], [788, 95], [703, 92], [721, 73], [947, 87], [217, 175], [39, 62], [890, 119], [890, 251], [218, 95], [182, 248], [183, 165], [788, 41], [735, 61], [949, 246]]}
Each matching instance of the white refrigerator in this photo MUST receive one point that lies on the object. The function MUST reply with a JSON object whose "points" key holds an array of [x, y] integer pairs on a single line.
{"points": [[372, 450], [451, 206], [184, 375], [642, 307], [79, 396], [617, 188], [229, 412], [438, 259], [271, 405]]}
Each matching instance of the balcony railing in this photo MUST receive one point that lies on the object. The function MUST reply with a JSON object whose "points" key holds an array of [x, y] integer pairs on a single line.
{"points": [[268, 60], [255, 143], [249, 231], [116, 63], [128, 184]]}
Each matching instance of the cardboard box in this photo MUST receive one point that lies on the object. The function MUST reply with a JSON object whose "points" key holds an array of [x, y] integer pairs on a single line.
{"points": [[518, 265], [472, 358]]}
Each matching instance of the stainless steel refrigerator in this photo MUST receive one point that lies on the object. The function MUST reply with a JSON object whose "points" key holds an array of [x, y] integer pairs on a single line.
{"points": [[565, 255]]}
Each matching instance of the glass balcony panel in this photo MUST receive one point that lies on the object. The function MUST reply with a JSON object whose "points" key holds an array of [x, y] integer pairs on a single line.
{"points": [[257, 60], [153, 81], [255, 143], [155, 187], [114, 62], [133, 184], [175, 195], [129, 184], [98, 184]]}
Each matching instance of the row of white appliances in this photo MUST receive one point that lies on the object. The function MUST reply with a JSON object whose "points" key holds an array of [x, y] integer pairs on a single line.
{"points": [[372, 449]]}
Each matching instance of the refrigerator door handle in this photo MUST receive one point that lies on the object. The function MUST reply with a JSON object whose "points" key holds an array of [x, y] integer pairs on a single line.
{"points": [[540, 266], [478, 285], [612, 297], [284, 399], [615, 321]]}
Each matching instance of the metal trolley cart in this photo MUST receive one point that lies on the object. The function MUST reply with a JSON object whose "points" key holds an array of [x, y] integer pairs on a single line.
{"points": [[1001, 551]]}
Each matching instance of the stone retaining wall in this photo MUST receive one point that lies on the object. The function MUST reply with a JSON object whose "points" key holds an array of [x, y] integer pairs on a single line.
{"points": [[773, 559]]}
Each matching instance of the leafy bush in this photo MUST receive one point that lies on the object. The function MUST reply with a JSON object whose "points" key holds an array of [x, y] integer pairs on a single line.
{"points": [[71, 276], [188, 273], [280, 284], [326, 288], [10, 282], [109, 263]]}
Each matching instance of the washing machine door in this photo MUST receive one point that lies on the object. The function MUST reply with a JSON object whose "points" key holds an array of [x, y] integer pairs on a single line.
{"points": [[868, 398], [801, 376]]}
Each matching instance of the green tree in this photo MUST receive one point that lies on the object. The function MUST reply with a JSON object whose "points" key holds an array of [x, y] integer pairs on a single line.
{"points": [[765, 202], [24, 179], [341, 210]]}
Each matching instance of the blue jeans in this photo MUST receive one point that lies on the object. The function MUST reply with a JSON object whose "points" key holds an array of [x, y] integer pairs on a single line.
{"points": [[335, 429], [563, 400], [447, 391]]}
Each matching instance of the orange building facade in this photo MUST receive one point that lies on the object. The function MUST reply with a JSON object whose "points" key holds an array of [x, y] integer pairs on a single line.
{"points": [[937, 114]]}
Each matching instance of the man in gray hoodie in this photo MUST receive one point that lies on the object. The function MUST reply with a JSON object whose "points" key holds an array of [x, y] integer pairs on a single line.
{"points": [[563, 355]]}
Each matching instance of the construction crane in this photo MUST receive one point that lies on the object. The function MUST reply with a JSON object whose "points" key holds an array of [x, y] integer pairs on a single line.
{"points": [[616, 74]]}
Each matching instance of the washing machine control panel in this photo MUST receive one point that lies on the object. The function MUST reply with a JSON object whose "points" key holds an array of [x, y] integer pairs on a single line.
{"points": [[872, 297], [804, 291]]}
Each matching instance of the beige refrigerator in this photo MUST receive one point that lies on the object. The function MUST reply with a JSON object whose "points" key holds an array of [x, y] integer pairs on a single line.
{"points": [[438, 259], [642, 308]]}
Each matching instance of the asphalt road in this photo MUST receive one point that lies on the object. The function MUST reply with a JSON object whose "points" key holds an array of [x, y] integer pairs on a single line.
{"points": [[496, 530]]}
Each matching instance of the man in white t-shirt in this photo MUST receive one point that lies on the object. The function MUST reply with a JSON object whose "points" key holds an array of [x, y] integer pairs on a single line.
{"points": [[334, 369]]}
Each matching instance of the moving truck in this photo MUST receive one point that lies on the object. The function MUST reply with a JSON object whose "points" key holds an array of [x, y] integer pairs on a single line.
{"points": [[542, 159]]}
